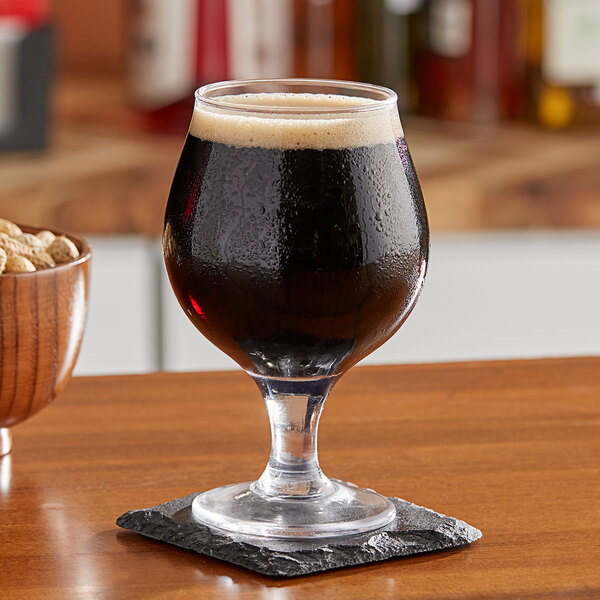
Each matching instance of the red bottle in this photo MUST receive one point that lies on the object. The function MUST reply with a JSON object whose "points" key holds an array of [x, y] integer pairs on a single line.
{"points": [[175, 46], [325, 39], [472, 59]]}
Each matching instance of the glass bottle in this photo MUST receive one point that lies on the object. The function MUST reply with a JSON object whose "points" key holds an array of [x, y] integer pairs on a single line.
{"points": [[325, 39], [563, 62], [387, 36], [174, 46], [471, 63]]}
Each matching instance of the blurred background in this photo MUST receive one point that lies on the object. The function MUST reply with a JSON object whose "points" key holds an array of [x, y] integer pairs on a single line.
{"points": [[500, 101]]}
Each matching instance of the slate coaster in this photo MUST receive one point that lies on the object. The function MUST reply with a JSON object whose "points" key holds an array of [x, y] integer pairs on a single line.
{"points": [[415, 530]]}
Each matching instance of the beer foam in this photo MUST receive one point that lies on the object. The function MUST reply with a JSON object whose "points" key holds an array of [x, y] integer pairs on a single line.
{"points": [[315, 130]]}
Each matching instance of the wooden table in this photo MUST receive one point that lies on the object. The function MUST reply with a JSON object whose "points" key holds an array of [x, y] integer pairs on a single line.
{"points": [[511, 447]]}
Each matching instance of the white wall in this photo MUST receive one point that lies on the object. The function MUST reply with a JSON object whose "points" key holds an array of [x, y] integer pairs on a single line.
{"points": [[486, 296], [122, 332], [504, 295]]}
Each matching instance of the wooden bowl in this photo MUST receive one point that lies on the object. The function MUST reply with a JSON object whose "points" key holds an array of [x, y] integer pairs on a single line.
{"points": [[42, 318]]}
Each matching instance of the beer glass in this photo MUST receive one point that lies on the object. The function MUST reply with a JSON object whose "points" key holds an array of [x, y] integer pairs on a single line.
{"points": [[296, 240]]}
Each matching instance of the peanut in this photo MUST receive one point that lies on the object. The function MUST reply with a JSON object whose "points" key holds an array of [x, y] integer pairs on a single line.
{"points": [[19, 264], [38, 256], [31, 240], [41, 259], [62, 250], [24, 252], [13, 247], [9, 227], [46, 237]]}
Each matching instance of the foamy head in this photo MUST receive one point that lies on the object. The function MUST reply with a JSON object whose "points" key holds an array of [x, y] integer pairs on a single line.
{"points": [[321, 121]]}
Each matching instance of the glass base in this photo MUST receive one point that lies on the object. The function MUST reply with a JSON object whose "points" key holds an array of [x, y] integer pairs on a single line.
{"points": [[346, 510]]}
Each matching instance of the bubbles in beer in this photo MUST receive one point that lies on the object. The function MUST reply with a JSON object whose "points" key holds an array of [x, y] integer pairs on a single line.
{"points": [[302, 256]]}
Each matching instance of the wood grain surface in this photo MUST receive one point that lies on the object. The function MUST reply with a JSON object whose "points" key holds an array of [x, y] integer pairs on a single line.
{"points": [[42, 318], [511, 447], [101, 174]]}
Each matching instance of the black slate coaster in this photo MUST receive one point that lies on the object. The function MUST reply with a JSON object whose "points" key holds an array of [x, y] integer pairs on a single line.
{"points": [[415, 530]]}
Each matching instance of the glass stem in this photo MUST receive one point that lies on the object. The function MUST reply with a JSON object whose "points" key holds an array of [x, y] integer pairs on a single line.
{"points": [[294, 409]]}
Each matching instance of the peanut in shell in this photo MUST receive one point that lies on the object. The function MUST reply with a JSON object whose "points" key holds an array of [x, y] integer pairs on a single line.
{"points": [[46, 237], [19, 264], [13, 247], [41, 259], [38, 256], [10, 228], [31, 240], [62, 250]]}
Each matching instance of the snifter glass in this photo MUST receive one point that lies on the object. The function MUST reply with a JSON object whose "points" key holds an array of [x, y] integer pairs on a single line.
{"points": [[296, 241]]}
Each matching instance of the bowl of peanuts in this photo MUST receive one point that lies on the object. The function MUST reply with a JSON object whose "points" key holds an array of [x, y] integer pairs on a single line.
{"points": [[44, 281]]}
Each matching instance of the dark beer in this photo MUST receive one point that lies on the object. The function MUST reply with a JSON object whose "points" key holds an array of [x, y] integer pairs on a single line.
{"points": [[296, 261]]}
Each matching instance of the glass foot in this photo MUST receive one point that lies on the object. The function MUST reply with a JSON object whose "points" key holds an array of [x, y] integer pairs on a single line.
{"points": [[346, 510]]}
